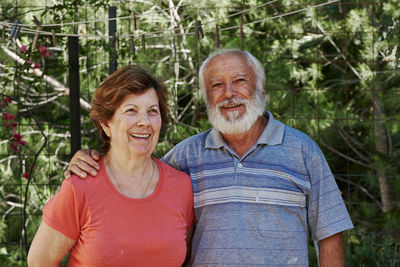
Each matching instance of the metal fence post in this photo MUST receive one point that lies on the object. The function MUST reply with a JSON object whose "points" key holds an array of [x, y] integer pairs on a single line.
{"points": [[112, 29], [74, 94]]}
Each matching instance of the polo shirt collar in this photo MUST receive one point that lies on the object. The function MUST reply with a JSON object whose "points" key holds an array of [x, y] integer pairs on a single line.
{"points": [[272, 135]]}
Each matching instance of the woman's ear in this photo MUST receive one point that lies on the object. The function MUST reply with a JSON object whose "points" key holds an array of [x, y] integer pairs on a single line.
{"points": [[106, 128]]}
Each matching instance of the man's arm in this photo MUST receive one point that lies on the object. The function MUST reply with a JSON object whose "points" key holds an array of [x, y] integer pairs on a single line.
{"points": [[331, 251], [82, 163]]}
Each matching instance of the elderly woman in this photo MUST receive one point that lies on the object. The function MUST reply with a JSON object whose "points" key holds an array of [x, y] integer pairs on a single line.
{"points": [[138, 211]]}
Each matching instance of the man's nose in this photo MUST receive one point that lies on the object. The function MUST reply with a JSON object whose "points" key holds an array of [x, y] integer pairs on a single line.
{"points": [[230, 90]]}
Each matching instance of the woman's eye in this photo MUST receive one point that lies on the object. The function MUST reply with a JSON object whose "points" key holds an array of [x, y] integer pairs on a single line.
{"points": [[130, 111], [154, 112]]}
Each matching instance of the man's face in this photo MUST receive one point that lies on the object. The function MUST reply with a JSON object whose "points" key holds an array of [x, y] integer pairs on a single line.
{"points": [[229, 78], [233, 105]]}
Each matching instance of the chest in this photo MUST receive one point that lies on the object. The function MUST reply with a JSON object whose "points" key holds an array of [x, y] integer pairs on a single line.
{"points": [[121, 233]]}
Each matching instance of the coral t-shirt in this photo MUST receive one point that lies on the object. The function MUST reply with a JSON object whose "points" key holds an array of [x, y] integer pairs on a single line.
{"points": [[111, 229]]}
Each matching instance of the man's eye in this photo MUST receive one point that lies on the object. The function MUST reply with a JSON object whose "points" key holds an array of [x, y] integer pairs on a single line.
{"points": [[216, 85]]}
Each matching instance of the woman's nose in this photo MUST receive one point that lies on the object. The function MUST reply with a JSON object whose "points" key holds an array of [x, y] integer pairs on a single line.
{"points": [[143, 119]]}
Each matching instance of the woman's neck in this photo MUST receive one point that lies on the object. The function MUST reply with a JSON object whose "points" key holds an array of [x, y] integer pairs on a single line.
{"points": [[128, 165], [135, 177]]}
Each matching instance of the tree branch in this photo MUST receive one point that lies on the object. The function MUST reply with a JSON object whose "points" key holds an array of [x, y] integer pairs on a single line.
{"points": [[47, 79], [345, 156]]}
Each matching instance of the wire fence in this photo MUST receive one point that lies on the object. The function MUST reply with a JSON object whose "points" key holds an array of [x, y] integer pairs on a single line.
{"points": [[330, 69]]}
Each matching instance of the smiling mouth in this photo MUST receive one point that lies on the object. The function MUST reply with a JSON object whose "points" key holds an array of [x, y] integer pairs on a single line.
{"points": [[140, 135], [231, 105]]}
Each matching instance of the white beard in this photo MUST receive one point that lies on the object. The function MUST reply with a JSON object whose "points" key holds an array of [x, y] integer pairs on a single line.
{"points": [[235, 124]]}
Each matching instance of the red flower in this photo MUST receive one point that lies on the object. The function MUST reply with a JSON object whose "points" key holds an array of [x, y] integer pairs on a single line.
{"points": [[22, 142], [7, 99], [14, 125], [17, 137], [13, 146], [25, 175], [8, 117], [37, 65], [29, 61], [43, 51], [7, 125], [23, 49]]}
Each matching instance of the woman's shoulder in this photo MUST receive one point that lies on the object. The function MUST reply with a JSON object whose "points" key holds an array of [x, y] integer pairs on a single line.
{"points": [[89, 181]]}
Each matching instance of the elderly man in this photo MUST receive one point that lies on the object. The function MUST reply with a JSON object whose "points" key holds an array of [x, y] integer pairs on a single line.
{"points": [[258, 184]]}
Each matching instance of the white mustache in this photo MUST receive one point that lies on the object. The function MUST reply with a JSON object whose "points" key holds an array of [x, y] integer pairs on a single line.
{"points": [[232, 101]]}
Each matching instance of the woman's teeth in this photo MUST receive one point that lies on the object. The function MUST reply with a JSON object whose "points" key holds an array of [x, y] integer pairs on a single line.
{"points": [[140, 135]]}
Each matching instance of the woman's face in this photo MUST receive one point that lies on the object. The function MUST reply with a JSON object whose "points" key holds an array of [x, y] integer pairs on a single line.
{"points": [[135, 125]]}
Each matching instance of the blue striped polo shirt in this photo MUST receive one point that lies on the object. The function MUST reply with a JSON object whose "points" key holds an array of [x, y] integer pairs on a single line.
{"points": [[259, 208]]}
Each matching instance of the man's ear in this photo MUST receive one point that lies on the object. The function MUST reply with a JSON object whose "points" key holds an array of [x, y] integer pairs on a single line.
{"points": [[106, 128]]}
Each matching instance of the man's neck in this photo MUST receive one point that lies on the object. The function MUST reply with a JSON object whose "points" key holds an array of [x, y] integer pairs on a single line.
{"points": [[241, 143]]}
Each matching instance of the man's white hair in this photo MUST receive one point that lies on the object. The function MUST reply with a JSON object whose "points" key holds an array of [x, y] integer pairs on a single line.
{"points": [[254, 106], [255, 63]]}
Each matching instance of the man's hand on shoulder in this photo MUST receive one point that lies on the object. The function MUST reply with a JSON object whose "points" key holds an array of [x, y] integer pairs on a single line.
{"points": [[82, 163]]}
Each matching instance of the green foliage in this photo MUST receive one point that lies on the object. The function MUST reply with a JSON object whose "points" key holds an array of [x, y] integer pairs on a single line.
{"points": [[384, 252], [331, 71]]}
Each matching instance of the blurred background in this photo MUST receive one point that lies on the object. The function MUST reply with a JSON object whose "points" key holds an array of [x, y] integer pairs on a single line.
{"points": [[332, 71]]}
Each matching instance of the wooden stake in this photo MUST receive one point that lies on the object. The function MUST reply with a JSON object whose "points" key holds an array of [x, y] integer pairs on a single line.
{"points": [[217, 36], [198, 30], [133, 21], [143, 43], [53, 34], [132, 45], [3, 34], [38, 27]]}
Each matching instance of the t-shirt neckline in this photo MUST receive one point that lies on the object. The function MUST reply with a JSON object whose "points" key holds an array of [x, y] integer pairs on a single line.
{"points": [[115, 191]]}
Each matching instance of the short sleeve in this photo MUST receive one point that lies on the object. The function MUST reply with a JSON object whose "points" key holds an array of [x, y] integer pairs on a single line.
{"points": [[327, 213], [176, 158], [61, 212]]}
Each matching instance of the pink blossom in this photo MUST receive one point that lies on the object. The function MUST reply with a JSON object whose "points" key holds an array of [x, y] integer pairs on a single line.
{"points": [[22, 142], [25, 175], [23, 49], [14, 125], [7, 125], [37, 65], [29, 61], [43, 51]]}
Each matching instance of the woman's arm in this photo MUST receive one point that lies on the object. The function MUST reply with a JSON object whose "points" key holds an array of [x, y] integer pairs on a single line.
{"points": [[48, 247], [189, 235]]}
